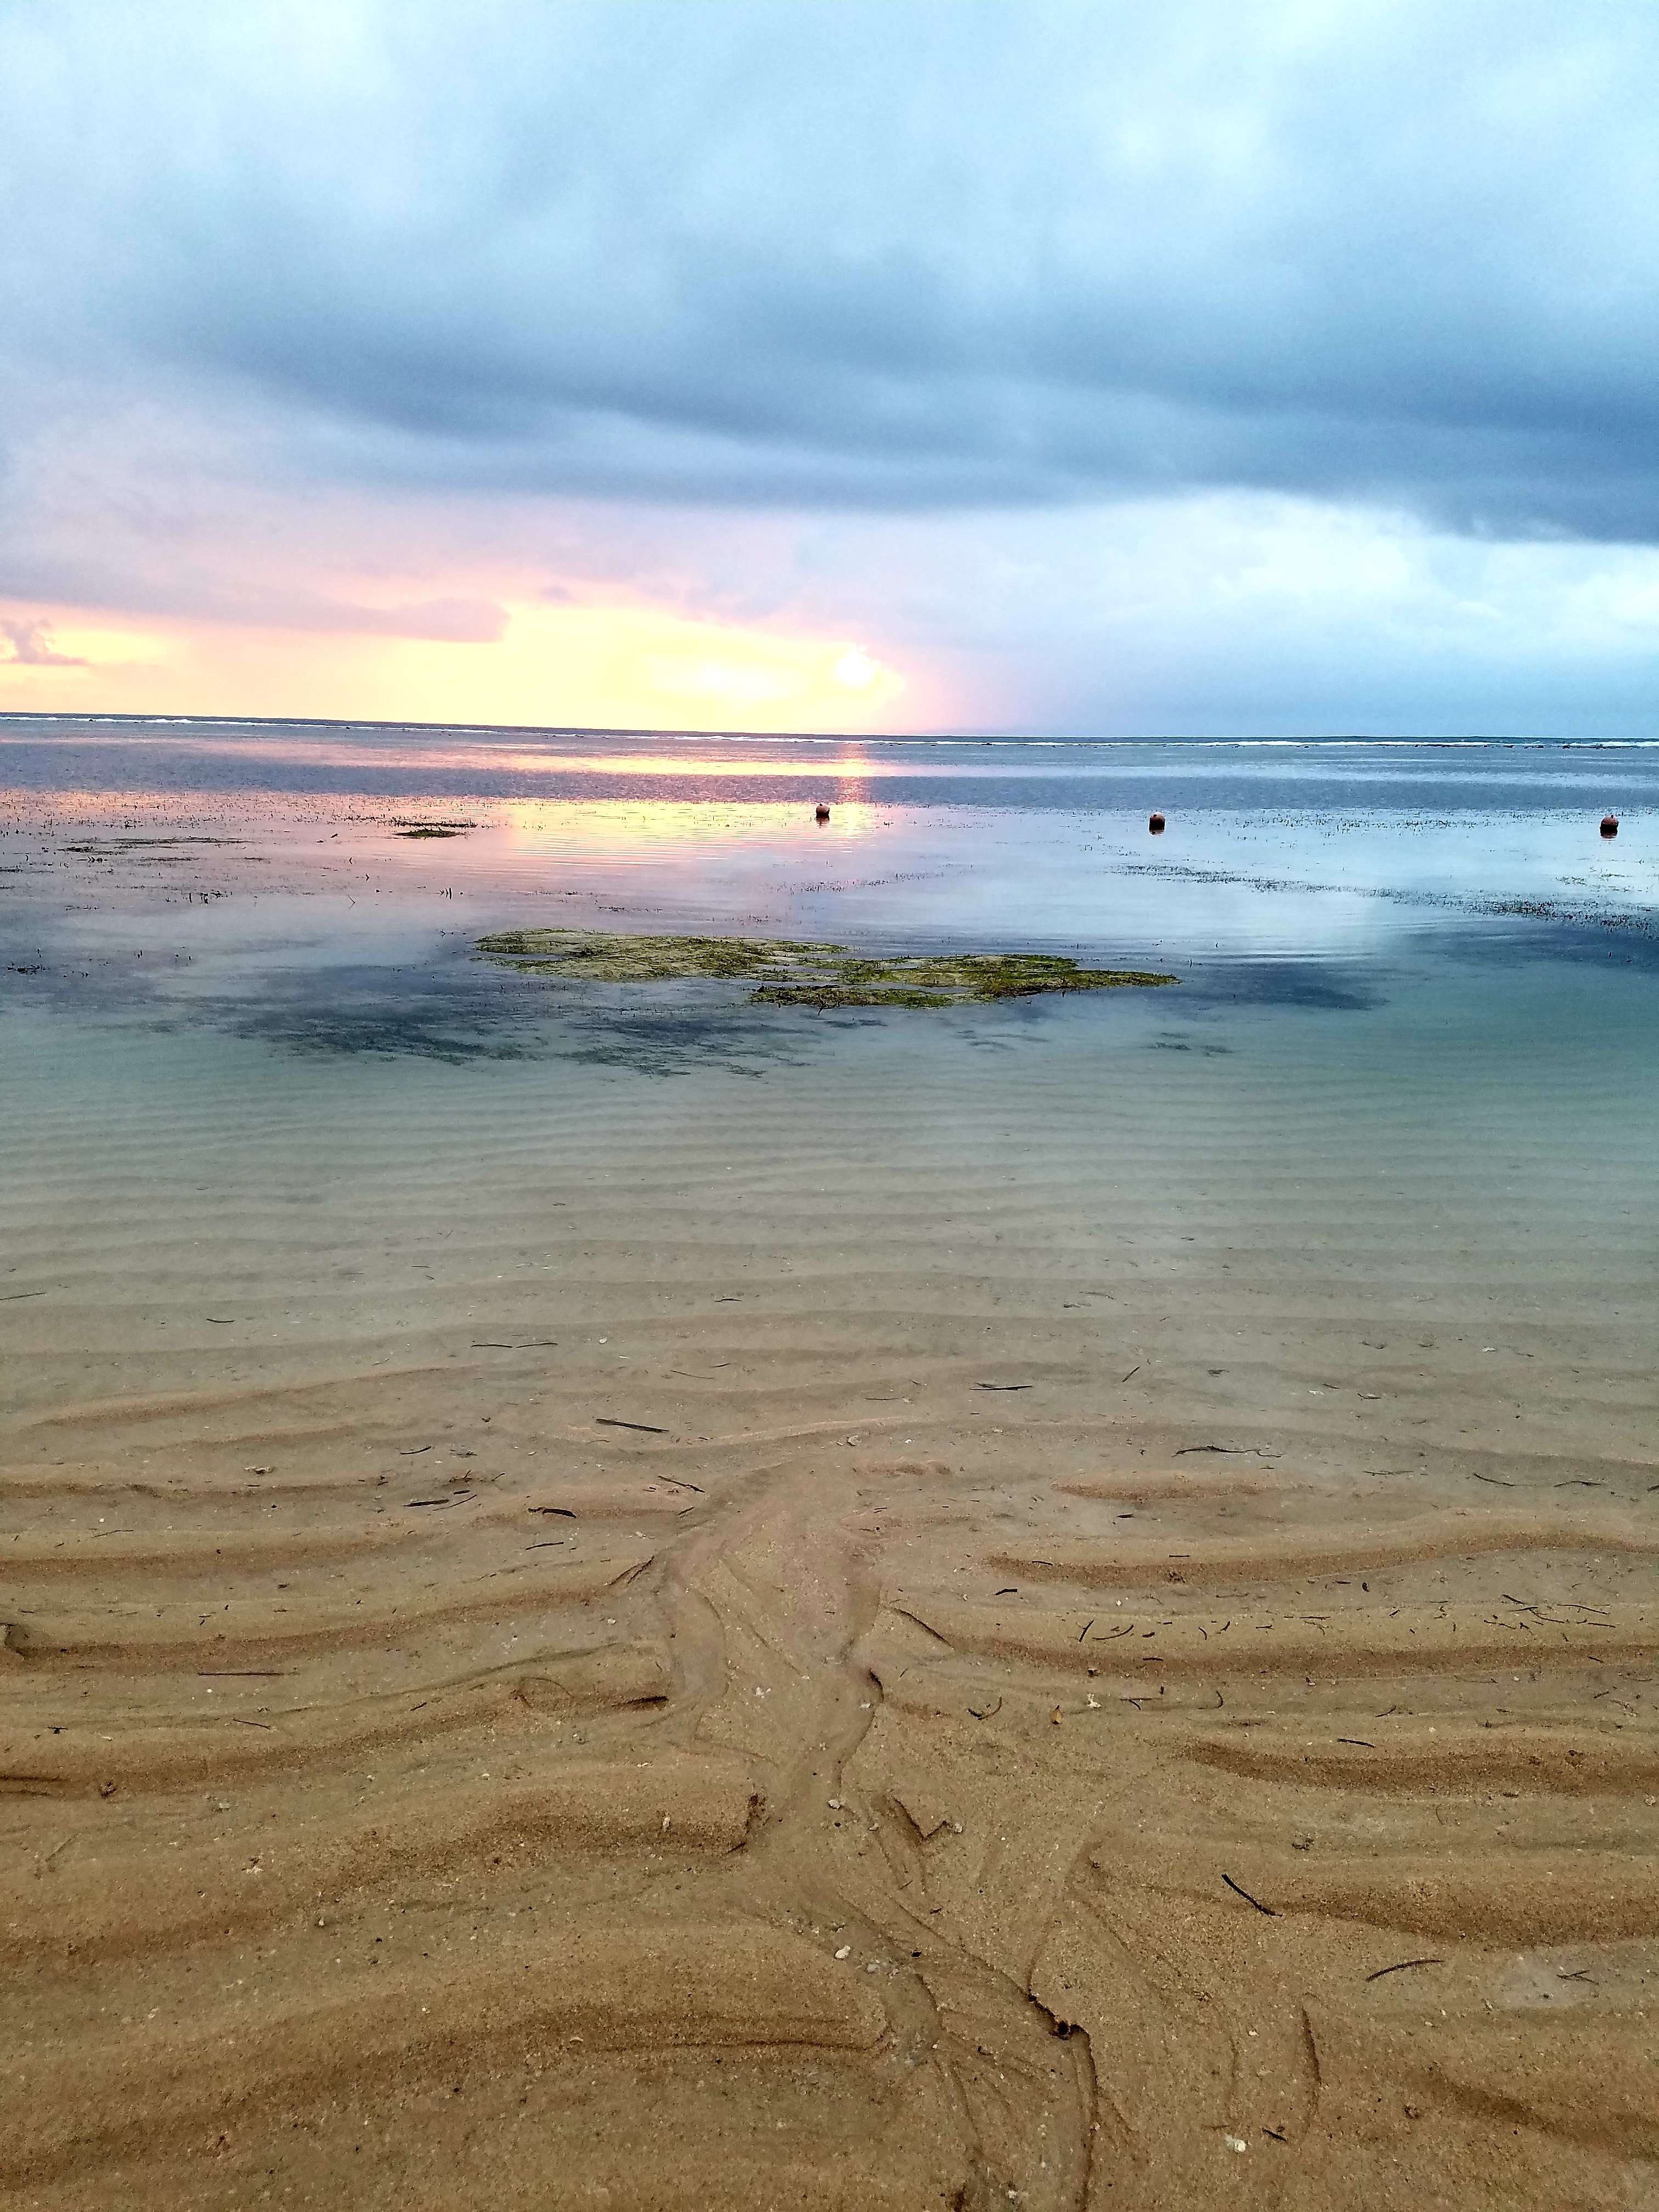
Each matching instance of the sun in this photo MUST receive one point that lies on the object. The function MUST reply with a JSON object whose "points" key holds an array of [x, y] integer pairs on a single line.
{"points": [[856, 669]]}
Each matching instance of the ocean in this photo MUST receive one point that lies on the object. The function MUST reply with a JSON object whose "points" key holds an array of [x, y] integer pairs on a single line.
{"points": [[1412, 1039]]}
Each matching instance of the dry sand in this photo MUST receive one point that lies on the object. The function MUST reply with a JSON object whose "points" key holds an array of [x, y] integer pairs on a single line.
{"points": [[580, 1676]]}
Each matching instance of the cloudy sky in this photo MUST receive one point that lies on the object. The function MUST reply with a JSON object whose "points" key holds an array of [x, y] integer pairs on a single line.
{"points": [[1218, 366]]}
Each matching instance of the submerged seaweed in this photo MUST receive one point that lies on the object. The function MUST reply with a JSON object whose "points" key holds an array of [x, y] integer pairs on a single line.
{"points": [[802, 975]]}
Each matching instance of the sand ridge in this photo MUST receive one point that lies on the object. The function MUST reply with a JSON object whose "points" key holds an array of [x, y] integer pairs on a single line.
{"points": [[974, 1856]]}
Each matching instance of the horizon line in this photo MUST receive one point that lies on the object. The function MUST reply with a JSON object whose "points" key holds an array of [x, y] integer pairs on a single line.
{"points": [[815, 737]]}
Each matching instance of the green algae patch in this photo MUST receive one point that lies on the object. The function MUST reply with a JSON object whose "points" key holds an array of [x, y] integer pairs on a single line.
{"points": [[416, 826], [787, 974]]}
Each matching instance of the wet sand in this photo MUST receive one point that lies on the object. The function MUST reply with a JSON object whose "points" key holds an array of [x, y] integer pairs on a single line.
{"points": [[821, 1643]]}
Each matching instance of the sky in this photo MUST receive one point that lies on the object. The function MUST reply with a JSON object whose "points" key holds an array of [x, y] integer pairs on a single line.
{"points": [[1224, 367]]}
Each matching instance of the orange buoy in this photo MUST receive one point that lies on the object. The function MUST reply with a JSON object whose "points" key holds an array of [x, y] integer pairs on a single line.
{"points": [[823, 813], [1609, 825], [1156, 825]]}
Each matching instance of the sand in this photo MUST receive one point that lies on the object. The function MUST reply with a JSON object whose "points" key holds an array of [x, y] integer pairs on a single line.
{"points": [[755, 1647]]}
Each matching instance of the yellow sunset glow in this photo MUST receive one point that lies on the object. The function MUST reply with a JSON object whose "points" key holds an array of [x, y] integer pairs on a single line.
{"points": [[640, 668], [575, 664], [107, 645]]}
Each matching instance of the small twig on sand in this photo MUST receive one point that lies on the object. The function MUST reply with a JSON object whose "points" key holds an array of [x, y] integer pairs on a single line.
{"points": [[1247, 1898], [605, 1421], [1241, 1451], [1399, 1966]]}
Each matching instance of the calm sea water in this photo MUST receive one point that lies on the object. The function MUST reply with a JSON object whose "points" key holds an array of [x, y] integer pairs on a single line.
{"points": [[239, 861], [254, 882], [1412, 1053], [1373, 914]]}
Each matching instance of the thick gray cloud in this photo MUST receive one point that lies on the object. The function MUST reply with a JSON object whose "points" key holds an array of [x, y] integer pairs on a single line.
{"points": [[862, 253]]}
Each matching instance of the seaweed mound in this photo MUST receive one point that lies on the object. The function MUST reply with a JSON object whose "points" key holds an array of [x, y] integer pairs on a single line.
{"points": [[796, 974]]}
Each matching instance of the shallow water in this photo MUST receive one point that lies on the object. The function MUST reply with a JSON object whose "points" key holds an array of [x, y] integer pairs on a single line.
{"points": [[1411, 969], [1329, 874]]}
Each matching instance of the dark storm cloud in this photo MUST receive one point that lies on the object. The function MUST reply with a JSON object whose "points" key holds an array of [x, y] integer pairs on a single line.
{"points": [[887, 256]]}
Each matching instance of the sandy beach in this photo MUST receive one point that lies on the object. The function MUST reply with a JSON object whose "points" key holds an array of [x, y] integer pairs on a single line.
{"points": [[757, 1646]]}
